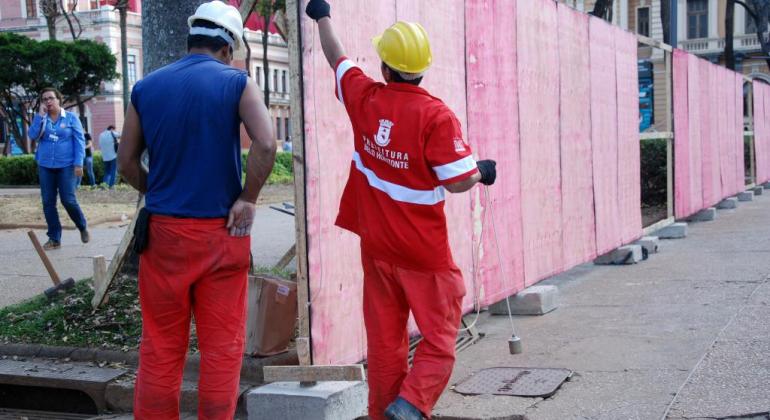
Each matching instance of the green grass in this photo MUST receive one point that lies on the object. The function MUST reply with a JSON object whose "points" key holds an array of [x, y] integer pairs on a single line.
{"points": [[69, 320]]}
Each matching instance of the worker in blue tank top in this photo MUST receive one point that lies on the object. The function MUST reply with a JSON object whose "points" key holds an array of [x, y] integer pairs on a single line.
{"points": [[195, 244]]}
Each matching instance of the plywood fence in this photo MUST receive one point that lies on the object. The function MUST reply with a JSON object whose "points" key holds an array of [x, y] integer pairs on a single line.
{"points": [[761, 93], [708, 133], [549, 93]]}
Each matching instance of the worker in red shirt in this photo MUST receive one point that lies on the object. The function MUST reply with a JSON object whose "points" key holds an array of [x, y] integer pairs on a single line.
{"points": [[409, 149]]}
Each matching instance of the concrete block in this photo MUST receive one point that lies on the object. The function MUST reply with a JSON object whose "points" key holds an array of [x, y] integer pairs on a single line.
{"points": [[766, 185], [746, 195], [534, 300], [673, 231], [758, 190], [629, 254], [649, 243], [705, 215], [330, 400], [728, 203]]}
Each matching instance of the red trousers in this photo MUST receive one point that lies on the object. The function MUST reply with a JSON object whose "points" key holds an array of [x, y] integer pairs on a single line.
{"points": [[191, 267], [435, 300]]}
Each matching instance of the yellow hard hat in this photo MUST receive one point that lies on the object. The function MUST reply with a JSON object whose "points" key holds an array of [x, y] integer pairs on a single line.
{"points": [[404, 47]]}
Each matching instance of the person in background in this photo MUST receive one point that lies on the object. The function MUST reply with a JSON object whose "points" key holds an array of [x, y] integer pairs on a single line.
{"points": [[59, 156], [108, 143], [287, 145], [88, 162]]}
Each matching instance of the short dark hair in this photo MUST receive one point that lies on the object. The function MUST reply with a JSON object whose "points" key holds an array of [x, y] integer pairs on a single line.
{"points": [[110, 127], [51, 89], [211, 43], [396, 76]]}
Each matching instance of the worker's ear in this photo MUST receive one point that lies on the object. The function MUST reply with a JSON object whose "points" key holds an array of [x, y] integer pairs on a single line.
{"points": [[385, 72], [225, 54]]}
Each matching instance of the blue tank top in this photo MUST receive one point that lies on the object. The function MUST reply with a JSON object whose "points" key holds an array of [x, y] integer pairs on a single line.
{"points": [[189, 116]]}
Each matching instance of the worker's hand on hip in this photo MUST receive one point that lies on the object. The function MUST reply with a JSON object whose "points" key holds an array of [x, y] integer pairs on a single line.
{"points": [[487, 171], [241, 217], [318, 9], [78, 171]]}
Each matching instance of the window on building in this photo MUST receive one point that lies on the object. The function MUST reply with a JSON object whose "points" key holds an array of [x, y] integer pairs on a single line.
{"points": [[287, 131], [131, 69], [283, 82], [643, 21], [258, 75], [31, 8], [697, 19], [275, 80], [751, 25], [94, 4]]}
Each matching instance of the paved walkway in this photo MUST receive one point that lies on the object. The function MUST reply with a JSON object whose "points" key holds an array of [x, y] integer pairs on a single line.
{"points": [[22, 274], [683, 335]]}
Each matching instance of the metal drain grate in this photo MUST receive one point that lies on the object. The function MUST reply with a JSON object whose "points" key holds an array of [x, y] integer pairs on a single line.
{"points": [[12, 414], [513, 381]]}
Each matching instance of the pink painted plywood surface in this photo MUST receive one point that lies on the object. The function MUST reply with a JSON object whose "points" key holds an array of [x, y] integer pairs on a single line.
{"points": [[604, 135], [695, 144], [726, 143], [538, 82], [740, 165], [761, 133], [493, 131], [683, 172], [579, 230], [629, 185], [709, 136]]}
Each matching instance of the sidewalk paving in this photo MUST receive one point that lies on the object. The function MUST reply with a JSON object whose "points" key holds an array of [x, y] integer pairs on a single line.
{"points": [[683, 335], [22, 274]]}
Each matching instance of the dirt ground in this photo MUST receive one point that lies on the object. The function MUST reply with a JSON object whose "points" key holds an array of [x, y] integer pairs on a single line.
{"points": [[101, 207]]}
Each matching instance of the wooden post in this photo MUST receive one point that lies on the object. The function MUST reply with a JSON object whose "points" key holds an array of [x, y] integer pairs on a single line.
{"points": [[752, 157], [304, 343], [668, 58]]}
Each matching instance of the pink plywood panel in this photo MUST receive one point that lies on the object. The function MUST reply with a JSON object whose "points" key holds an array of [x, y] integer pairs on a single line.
{"points": [[539, 138], [445, 26], [493, 132], [683, 170], [604, 135], [629, 182], [726, 157], [579, 230], [335, 276], [761, 132], [694, 109], [710, 156]]}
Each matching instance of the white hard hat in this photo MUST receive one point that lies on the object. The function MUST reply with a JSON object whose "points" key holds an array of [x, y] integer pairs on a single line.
{"points": [[222, 15]]}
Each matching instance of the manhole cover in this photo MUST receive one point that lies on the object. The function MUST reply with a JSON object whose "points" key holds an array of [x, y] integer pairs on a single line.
{"points": [[514, 381]]}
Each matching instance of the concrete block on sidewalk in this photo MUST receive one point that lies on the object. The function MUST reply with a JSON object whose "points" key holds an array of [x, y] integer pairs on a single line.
{"points": [[746, 195], [649, 243], [705, 215], [673, 231], [628, 254], [329, 400], [534, 300], [758, 190], [728, 203], [766, 185]]}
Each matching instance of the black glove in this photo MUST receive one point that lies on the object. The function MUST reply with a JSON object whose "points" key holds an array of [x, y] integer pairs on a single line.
{"points": [[318, 9], [487, 171]]}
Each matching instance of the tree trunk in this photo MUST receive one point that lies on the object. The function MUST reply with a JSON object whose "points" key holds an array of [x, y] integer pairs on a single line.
{"points": [[729, 32], [265, 62], [124, 53], [50, 9], [51, 23], [164, 31], [81, 111], [762, 14]]}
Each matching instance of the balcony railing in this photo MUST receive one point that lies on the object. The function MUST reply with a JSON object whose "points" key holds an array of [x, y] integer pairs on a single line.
{"points": [[743, 43]]}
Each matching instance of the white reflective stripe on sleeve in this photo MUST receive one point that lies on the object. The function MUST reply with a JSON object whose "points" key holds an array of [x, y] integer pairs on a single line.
{"points": [[343, 68], [398, 192], [456, 168]]}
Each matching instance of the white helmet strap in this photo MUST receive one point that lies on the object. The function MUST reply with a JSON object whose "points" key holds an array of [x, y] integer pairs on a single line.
{"points": [[198, 30]]}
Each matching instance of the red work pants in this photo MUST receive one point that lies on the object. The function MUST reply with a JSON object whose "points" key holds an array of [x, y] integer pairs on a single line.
{"points": [[435, 299], [191, 266]]}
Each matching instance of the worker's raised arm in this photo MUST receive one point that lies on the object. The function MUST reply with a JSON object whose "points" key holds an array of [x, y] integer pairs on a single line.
{"points": [[320, 11]]}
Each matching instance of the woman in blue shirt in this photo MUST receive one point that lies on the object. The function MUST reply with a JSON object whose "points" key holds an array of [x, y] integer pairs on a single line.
{"points": [[59, 156]]}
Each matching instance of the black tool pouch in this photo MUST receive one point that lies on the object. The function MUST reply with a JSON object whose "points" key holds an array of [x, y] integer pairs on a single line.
{"points": [[141, 230]]}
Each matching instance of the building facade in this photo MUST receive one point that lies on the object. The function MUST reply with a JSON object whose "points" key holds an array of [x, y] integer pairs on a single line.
{"points": [[101, 23]]}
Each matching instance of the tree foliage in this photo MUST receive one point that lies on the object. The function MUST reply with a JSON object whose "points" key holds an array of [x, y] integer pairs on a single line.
{"points": [[76, 68]]}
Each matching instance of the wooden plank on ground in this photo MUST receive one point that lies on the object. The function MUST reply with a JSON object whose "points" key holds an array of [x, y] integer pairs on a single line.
{"points": [[298, 134], [118, 259], [314, 373]]}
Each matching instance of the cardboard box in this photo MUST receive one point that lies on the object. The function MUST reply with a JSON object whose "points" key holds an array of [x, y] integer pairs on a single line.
{"points": [[272, 316]]}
